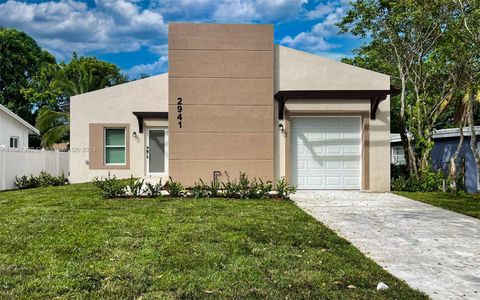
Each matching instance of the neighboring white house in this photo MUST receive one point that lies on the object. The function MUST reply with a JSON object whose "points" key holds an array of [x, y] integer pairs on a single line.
{"points": [[14, 131]]}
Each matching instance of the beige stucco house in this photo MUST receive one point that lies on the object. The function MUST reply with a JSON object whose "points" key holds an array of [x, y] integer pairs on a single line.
{"points": [[233, 102]]}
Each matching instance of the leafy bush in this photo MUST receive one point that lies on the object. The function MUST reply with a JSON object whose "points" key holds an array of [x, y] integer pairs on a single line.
{"points": [[231, 188], [284, 189], [398, 171], [428, 181], [246, 189], [200, 190], [153, 190], [110, 186], [174, 188], [25, 182], [263, 189], [44, 179], [214, 189], [135, 186]]}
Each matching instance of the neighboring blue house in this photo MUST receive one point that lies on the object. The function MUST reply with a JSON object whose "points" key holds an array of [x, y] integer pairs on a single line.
{"points": [[446, 142]]}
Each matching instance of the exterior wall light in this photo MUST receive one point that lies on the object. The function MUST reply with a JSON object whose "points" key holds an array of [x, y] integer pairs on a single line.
{"points": [[134, 134], [281, 127]]}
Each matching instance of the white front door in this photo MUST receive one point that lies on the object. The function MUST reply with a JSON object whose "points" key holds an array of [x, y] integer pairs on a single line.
{"points": [[156, 150], [326, 152]]}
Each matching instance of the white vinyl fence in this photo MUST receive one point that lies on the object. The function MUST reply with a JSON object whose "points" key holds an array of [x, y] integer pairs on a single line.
{"points": [[14, 162]]}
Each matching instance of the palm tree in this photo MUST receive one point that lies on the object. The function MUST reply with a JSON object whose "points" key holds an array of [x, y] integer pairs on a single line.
{"points": [[54, 125]]}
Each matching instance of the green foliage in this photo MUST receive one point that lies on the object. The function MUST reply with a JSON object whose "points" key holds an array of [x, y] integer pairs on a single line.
{"points": [[21, 60], [432, 55], [110, 186], [462, 203], [44, 179], [86, 74], [68, 242], [214, 189], [200, 190], [231, 188], [54, 126], [135, 186], [263, 189], [398, 171], [154, 190], [284, 189], [80, 75], [174, 188], [25, 182], [429, 181]]}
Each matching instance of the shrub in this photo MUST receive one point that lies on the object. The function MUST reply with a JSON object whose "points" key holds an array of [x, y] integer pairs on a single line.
{"points": [[428, 181], [231, 189], [135, 186], [174, 188], [263, 189], [44, 179], [246, 188], [284, 189], [200, 190], [398, 171], [110, 186], [25, 182], [214, 189], [153, 190]]}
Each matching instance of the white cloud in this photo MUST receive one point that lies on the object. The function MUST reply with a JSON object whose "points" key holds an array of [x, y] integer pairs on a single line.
{"points": [[234, 11], [157, 67], [62, 27], [321, 10], [316, 39], [308, 42]]}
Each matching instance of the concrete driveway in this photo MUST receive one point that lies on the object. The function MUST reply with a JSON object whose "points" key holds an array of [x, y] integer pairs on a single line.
{"points": [[434, 250]]}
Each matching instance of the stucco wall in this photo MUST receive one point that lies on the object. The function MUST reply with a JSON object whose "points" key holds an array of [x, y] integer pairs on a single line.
{"points": [[297, 70], [114, 105], [11, 127], [224, 75], [443, 151]]}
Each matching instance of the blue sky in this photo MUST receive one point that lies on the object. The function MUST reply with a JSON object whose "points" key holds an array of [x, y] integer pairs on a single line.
{"points": [[133, 33]]}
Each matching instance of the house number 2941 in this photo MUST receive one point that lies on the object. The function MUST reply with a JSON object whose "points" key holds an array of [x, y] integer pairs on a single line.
{"points": [[179, 111]]}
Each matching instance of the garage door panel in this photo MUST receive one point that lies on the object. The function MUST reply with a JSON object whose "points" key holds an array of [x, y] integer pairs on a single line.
{"points": [[326, 152], [333, 165]]}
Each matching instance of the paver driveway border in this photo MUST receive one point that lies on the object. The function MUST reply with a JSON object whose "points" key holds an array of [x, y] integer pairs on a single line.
{"points": [[434, 250]]}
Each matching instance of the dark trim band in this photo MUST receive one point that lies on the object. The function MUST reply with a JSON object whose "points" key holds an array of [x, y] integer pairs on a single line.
{"points": [[375, 96], [141, 115]]}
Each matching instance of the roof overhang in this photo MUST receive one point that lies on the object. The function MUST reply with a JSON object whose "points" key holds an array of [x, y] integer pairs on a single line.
{"points": [[375, 97], [141, 115], [22, 121]]}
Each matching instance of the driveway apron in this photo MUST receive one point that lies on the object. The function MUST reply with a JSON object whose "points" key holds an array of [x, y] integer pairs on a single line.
{"points": [[434, 250]]}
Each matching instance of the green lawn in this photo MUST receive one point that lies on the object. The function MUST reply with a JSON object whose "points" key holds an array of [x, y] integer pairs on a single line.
{"points": [[465, 204], [68, 242]]}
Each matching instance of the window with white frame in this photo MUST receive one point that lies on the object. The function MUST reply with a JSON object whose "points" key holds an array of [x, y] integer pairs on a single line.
{"points": [[398, 155], [14, 141], [115, 146]]}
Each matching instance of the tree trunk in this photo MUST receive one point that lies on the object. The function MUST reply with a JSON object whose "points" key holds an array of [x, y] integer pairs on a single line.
{"points": [[471, 123], [453, 173]]}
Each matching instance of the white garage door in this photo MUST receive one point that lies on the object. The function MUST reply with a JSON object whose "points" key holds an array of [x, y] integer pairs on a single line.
{"points": [[326, 152]]}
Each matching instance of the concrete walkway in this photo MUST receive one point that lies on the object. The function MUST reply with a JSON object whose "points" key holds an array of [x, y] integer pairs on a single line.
{"points": [[434, 250]]}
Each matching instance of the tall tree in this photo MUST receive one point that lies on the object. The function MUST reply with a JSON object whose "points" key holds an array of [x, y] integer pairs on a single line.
{"points": [[404, 35], [21, 60], [80, 75], [468, 48]]}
